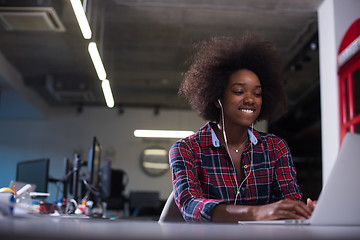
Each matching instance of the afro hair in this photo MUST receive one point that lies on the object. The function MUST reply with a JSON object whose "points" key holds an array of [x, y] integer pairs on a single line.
{"points": [[215, 60]]}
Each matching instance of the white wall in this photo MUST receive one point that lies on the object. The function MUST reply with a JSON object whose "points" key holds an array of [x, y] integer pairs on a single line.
{"points": [[334, 18], [66, 133]]}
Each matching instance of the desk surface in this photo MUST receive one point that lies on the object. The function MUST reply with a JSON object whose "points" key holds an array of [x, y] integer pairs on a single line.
{"points": [[73, 228]]}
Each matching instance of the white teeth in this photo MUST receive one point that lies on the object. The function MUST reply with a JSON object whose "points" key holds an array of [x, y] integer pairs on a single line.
{"points": [[247, 110]]}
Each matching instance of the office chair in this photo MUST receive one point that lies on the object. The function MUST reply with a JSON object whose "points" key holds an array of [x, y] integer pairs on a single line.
{"points": [[144, 203], [171, 212]]}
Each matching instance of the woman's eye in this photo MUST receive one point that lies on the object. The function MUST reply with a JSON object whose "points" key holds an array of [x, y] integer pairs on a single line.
{"points": [[258, 94], [238, 92]]}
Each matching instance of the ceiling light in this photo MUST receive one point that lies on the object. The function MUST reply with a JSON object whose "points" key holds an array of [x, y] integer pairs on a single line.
{"points": [[81, 18], [107, 93], [155, 165], [313, 46], [154, 151], [162, 133], [96, 59]]}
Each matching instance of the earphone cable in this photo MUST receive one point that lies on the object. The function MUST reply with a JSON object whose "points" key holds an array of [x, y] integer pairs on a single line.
{"points": [[227, 148]]}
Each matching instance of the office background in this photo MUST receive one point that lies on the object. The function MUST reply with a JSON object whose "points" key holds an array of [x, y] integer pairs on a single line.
{"points": [[63, 135], [30, 129]]}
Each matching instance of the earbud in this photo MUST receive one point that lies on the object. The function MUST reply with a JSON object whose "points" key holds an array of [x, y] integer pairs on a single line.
{"points": [[219, 102]]}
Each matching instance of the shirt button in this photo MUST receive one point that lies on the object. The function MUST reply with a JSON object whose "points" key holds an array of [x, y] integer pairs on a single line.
{"points": [[245, 166]]}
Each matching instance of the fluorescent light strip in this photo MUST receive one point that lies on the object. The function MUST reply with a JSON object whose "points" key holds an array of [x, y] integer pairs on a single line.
{"points": [[81, 18], [157, 152], [162, 133], [107, 93], [93, 51], [96, 59], [154, 165]]}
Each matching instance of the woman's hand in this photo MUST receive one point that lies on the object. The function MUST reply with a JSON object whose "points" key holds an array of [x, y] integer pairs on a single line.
{"points": [[311, 204], [283, 209]]}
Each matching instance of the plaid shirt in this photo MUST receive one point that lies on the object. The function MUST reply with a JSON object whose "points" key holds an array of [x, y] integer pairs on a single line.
{"points": [[203, 174]]}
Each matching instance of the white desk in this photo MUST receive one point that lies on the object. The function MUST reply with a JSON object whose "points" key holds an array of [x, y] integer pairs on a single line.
{"points": [[56, 228]]}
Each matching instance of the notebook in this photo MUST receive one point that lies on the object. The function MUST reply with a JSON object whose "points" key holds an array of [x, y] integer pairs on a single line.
{"points": [[338, 203]]}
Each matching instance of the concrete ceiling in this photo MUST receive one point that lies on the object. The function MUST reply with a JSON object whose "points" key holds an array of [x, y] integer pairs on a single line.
{"points": [[144, 45]]}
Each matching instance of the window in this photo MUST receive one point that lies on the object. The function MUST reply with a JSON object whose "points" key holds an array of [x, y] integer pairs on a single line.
{"points": [[349, 80], [350, 97]]}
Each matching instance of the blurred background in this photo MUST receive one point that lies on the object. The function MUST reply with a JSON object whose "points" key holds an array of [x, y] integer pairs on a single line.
{"points": [[52, 104]]}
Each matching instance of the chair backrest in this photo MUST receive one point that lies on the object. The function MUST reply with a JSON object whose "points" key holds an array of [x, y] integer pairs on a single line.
{"points": [[171, 212]]}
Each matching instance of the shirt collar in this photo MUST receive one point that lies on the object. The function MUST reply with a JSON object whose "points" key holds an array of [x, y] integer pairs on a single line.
{"points": [[216, 142]]}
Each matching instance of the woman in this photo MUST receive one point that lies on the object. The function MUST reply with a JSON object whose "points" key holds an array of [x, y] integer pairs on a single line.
{"points": [[228, 171]]}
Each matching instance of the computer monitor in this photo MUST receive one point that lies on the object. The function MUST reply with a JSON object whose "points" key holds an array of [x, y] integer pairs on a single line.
{"points": [[94, 161], [112, 186], [105, 180], [34, 172], [67, 178], [111, 181]]}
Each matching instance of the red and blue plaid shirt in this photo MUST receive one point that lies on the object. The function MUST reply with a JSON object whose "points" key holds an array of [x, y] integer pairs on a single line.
{"points": [[203, 174]]}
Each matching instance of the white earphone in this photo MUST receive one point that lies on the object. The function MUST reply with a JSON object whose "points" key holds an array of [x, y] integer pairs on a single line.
{"points": [[227, 148]]}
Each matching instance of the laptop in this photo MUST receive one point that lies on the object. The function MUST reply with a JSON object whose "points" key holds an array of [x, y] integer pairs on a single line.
{"points": [[339, 200]]}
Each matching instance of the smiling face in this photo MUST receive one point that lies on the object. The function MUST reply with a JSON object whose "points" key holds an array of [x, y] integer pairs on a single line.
{"points": [[242, 98]]}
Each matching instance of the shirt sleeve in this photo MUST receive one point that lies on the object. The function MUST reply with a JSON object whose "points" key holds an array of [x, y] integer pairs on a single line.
{"points": [[286, 185], [187, 187]]}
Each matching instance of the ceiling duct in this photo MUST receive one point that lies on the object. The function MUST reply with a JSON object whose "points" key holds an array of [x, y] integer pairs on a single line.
{"points": [[69, 90], [30, 19]]}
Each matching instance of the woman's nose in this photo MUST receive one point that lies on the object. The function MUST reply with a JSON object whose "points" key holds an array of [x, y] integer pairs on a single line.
{"points": [[249, 99]]}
